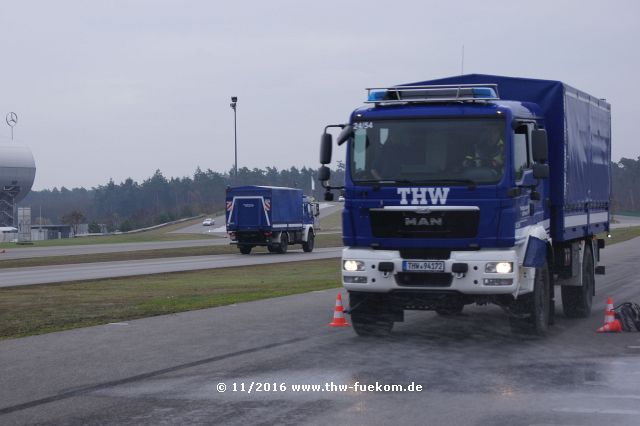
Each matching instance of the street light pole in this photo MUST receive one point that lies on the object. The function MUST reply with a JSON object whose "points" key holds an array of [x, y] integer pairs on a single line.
{"points": [[234, 102]]}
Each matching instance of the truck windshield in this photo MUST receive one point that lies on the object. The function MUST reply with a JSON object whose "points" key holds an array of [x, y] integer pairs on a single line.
{"points": [[453, 151]]}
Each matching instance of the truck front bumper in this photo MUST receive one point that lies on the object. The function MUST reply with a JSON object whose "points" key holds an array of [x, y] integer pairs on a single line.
{"points": [[475, 281]]}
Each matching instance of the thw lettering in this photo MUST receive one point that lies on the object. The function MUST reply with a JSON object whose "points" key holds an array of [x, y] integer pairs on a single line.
{"points": [[418, 196]]}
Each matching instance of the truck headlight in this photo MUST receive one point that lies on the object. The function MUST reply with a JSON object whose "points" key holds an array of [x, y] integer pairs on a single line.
{"points": [[499, 267], [353, 265]]}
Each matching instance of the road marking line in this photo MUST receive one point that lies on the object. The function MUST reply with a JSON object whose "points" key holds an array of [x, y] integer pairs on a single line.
{"points": [[118, 323], [550, 424], [615, 396], [144, 376], [596, 411]]}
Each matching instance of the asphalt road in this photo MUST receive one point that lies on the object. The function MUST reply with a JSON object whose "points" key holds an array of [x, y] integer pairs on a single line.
{"points": [[86, 271], [198, 228], [219, 228], [167, 369]]}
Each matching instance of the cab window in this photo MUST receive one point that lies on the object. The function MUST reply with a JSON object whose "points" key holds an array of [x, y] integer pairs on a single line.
{"points": [[521, 160]]}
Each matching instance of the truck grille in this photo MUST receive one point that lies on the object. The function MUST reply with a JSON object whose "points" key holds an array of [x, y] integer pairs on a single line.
{"points": [[434, 224], [425, 253], [439, 279]]}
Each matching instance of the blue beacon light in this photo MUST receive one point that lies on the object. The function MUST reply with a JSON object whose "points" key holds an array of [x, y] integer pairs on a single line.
{"points": [[377, 95]]}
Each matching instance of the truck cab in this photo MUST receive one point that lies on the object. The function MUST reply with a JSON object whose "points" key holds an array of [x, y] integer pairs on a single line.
{"points": [[310, 211]]}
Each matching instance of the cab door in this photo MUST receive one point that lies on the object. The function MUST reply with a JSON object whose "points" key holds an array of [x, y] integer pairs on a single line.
{"points": [[529, 203]]}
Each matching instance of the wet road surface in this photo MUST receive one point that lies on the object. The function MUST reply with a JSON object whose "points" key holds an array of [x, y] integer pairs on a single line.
{"points": [[167, 370]]}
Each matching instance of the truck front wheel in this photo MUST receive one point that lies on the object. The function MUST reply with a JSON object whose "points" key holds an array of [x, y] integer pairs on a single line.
{"points": [[369, 315], [532, 311], [245, 249], [576, 301], [451, 310], [307, 246]]}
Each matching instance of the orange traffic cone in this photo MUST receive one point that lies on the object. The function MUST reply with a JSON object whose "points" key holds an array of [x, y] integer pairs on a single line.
{"points": [[609, 314], [612, 327], [338, 314]]}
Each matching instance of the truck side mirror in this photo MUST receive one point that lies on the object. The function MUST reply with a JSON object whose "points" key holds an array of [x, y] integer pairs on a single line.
{"points": [[325, 148], [540, 171], [539, 145], [346, 133], [316, 209], [324, 174]]}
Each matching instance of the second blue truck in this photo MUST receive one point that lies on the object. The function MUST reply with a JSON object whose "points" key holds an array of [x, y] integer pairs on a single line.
{"points": [[270, 216]]}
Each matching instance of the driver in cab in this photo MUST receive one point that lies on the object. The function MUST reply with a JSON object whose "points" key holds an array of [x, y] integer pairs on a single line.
{"points": [[489, 152]]}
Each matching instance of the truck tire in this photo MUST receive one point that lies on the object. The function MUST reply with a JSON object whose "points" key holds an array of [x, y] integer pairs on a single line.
{"points": [[271, 249], [535, 307], [284, 243], [369, 318], [245, 249], [576, 301], [307, 246], [450, 310], [370, 324]]}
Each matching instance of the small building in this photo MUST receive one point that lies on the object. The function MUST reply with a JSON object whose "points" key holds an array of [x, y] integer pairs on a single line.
{"points": [[8, 234], [51, 232]]}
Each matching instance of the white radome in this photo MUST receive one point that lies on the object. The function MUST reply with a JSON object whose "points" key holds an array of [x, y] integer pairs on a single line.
{"points": [[17, 167]]}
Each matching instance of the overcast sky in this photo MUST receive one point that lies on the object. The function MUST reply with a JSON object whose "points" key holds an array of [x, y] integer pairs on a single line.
{"points": [[117, 89]]}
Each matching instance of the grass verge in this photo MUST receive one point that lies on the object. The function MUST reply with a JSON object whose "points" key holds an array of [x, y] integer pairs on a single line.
{"points": [[45, 308], [322, 240], [619, 235], [627, 213], [332, 222]]}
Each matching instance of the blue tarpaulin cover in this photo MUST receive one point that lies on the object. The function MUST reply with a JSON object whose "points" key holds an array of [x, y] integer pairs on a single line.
{"points": [[283, 207]]}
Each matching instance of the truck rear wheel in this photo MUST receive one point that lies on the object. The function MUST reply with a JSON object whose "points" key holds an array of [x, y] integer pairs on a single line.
{"points": [[284, 243], [576, 301], [307, 246], [271, 249], [534, 307], [245, 249], [369, 315]]}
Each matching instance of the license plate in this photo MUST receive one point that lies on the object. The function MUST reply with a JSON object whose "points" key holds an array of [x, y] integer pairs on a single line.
{"points": [[423, 266]]}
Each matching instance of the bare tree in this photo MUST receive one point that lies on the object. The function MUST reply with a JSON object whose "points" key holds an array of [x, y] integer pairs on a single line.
{"points": [[74, 218]]}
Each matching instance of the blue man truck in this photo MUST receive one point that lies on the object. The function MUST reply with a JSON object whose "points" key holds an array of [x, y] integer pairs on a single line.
{"points": [[270, 216], [473, 189]]}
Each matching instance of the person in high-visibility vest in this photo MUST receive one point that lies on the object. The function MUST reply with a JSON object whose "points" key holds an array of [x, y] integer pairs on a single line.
{"points": [[489, 153]]}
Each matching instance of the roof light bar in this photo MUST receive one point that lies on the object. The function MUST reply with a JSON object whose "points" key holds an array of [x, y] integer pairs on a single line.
{"points": [[433, 93]]}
